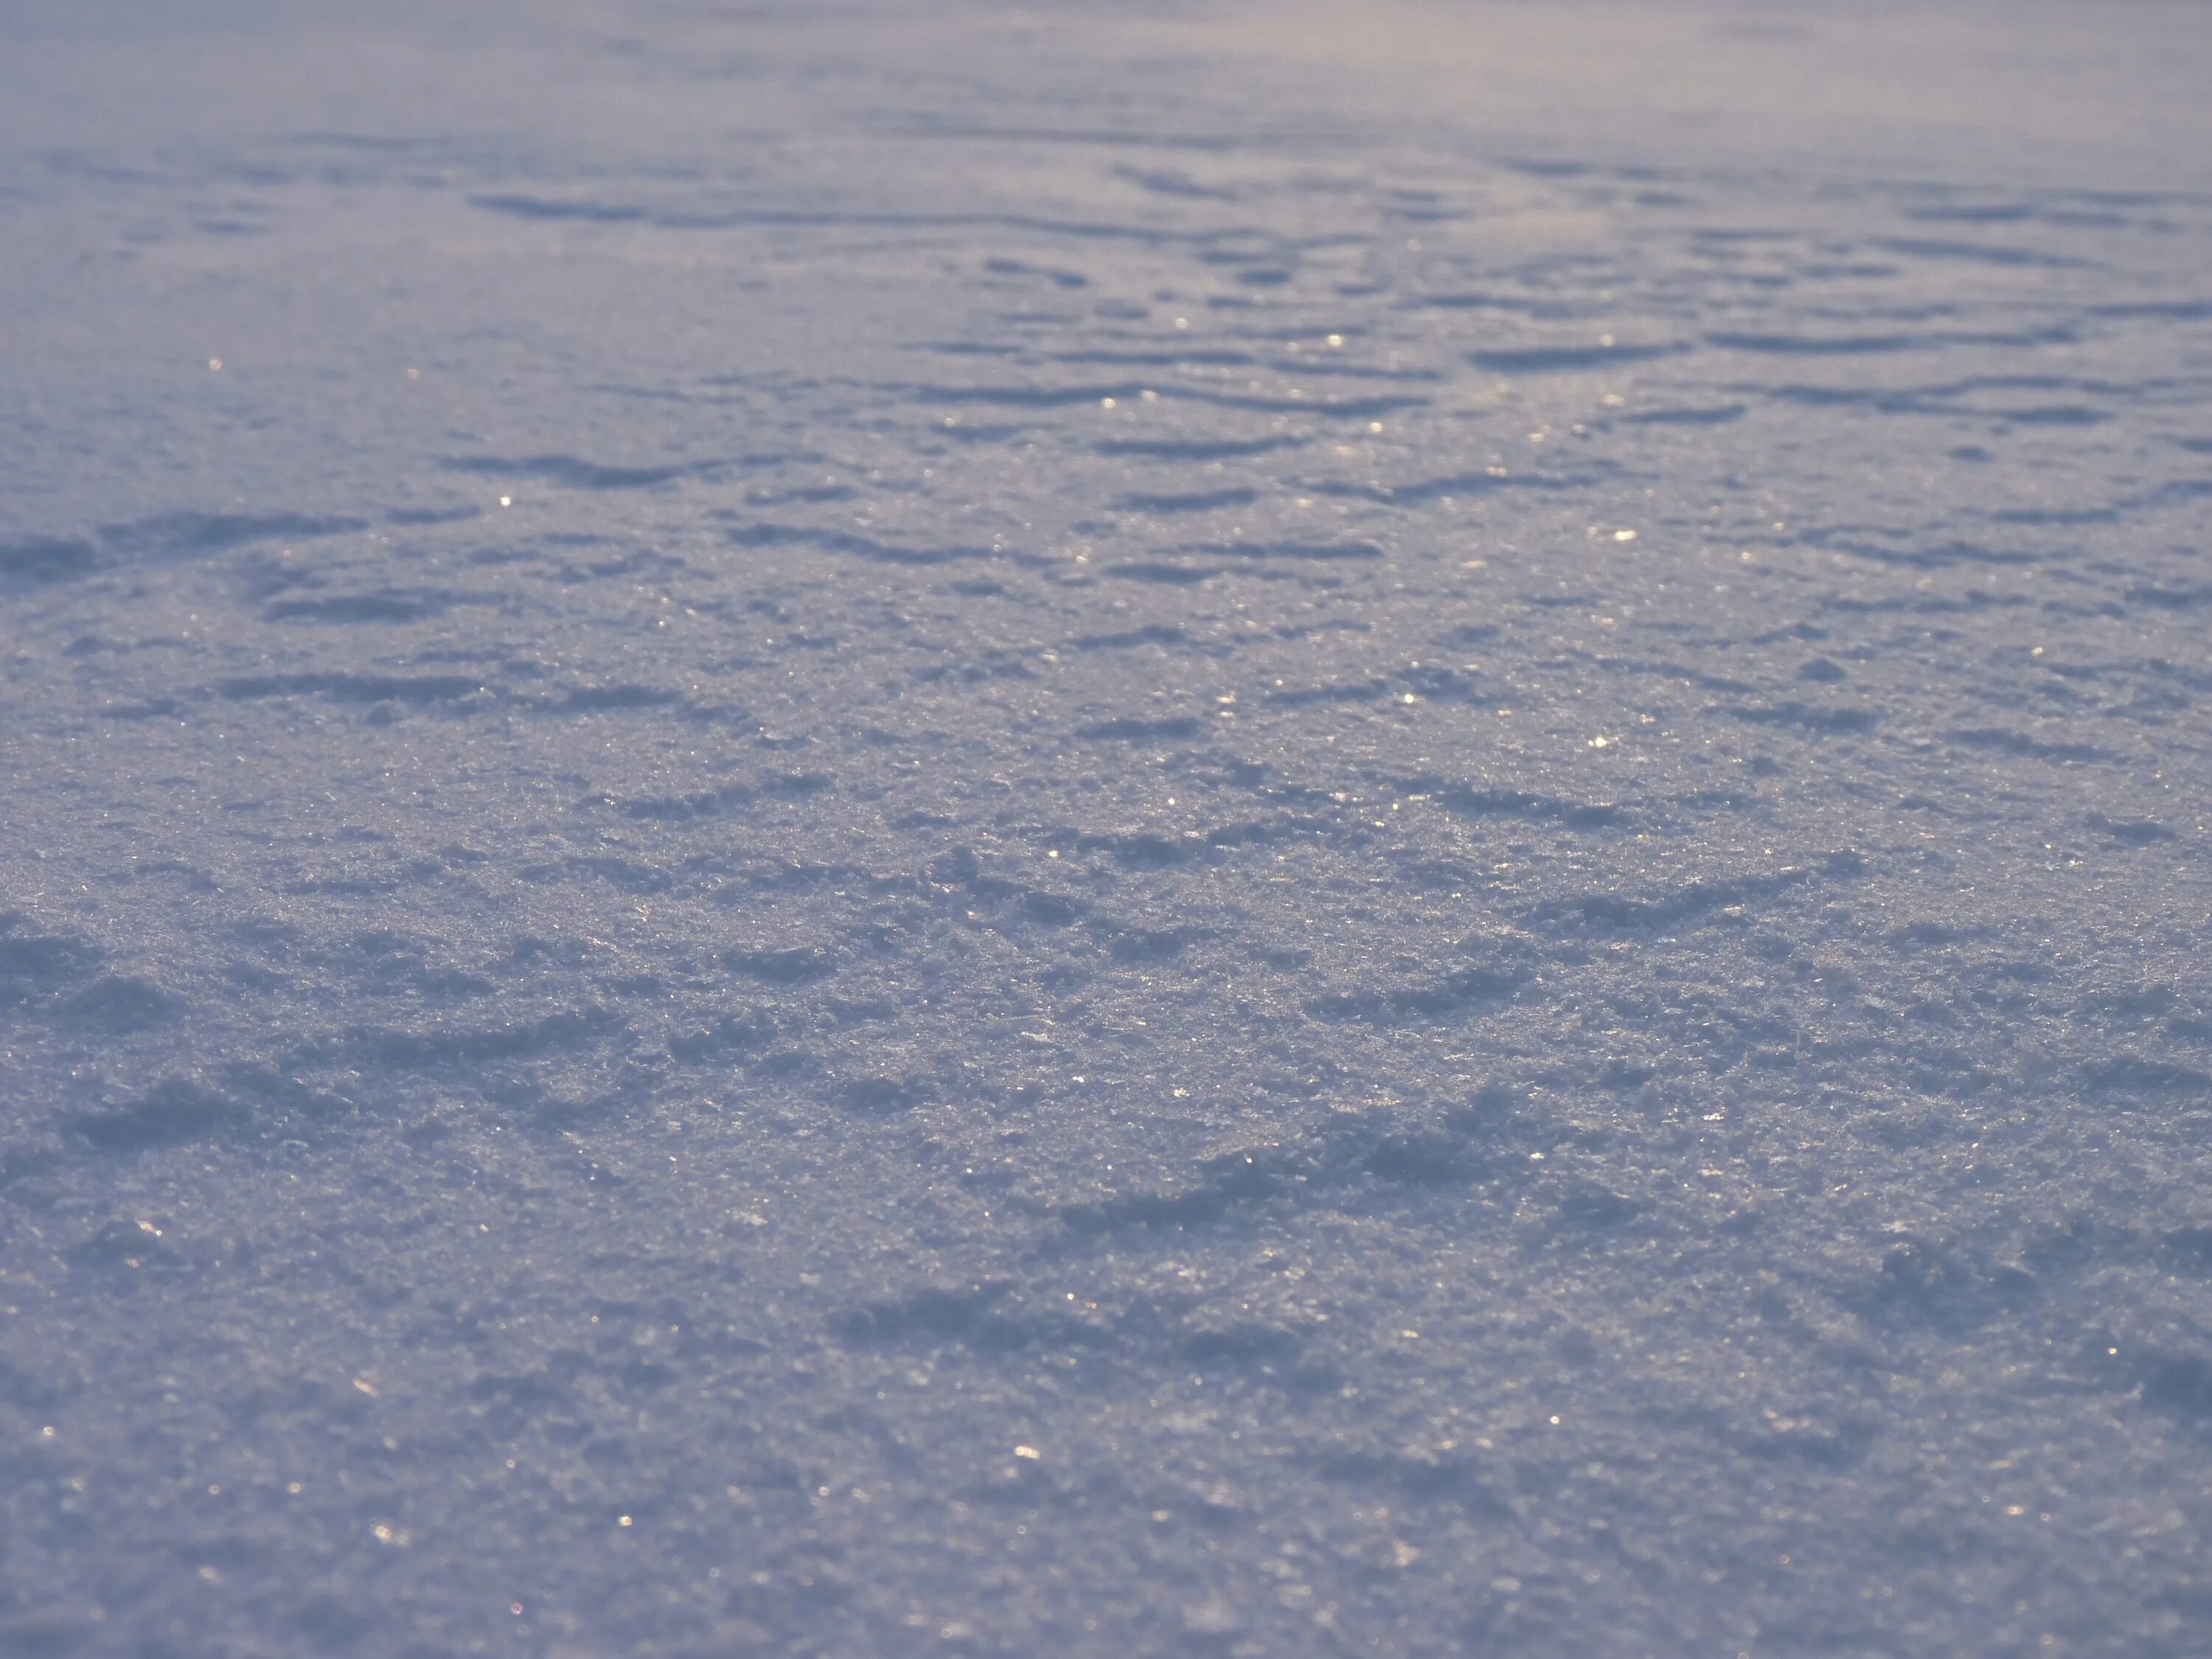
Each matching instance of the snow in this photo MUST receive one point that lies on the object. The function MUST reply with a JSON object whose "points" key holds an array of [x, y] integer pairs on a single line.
{"points": [[1141, 828]]}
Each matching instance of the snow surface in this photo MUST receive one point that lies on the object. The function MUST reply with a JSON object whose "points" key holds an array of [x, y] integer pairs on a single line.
{"points": [[1104, 830]]}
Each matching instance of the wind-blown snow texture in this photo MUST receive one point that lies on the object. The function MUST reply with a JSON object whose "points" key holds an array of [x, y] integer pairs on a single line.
{"points": [[1104, 830]]}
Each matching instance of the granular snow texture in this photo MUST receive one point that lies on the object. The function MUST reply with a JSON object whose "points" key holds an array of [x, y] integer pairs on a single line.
{"points": [[863, 829]]}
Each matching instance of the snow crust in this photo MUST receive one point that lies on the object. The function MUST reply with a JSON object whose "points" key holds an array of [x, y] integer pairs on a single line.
{"points": [[850, 829]]}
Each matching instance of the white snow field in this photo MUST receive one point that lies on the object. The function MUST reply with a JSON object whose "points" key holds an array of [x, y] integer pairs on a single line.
{"points": [[852, 828]]}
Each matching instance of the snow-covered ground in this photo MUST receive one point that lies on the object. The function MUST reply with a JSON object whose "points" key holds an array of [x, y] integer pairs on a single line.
{"points": [[859, 829]]}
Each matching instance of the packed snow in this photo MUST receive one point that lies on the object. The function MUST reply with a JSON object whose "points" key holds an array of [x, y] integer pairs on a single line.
{"points": [[861, 828]]}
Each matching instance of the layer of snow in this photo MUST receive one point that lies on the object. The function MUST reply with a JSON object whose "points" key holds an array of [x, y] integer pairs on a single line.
{"points": [[864, 829]]}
